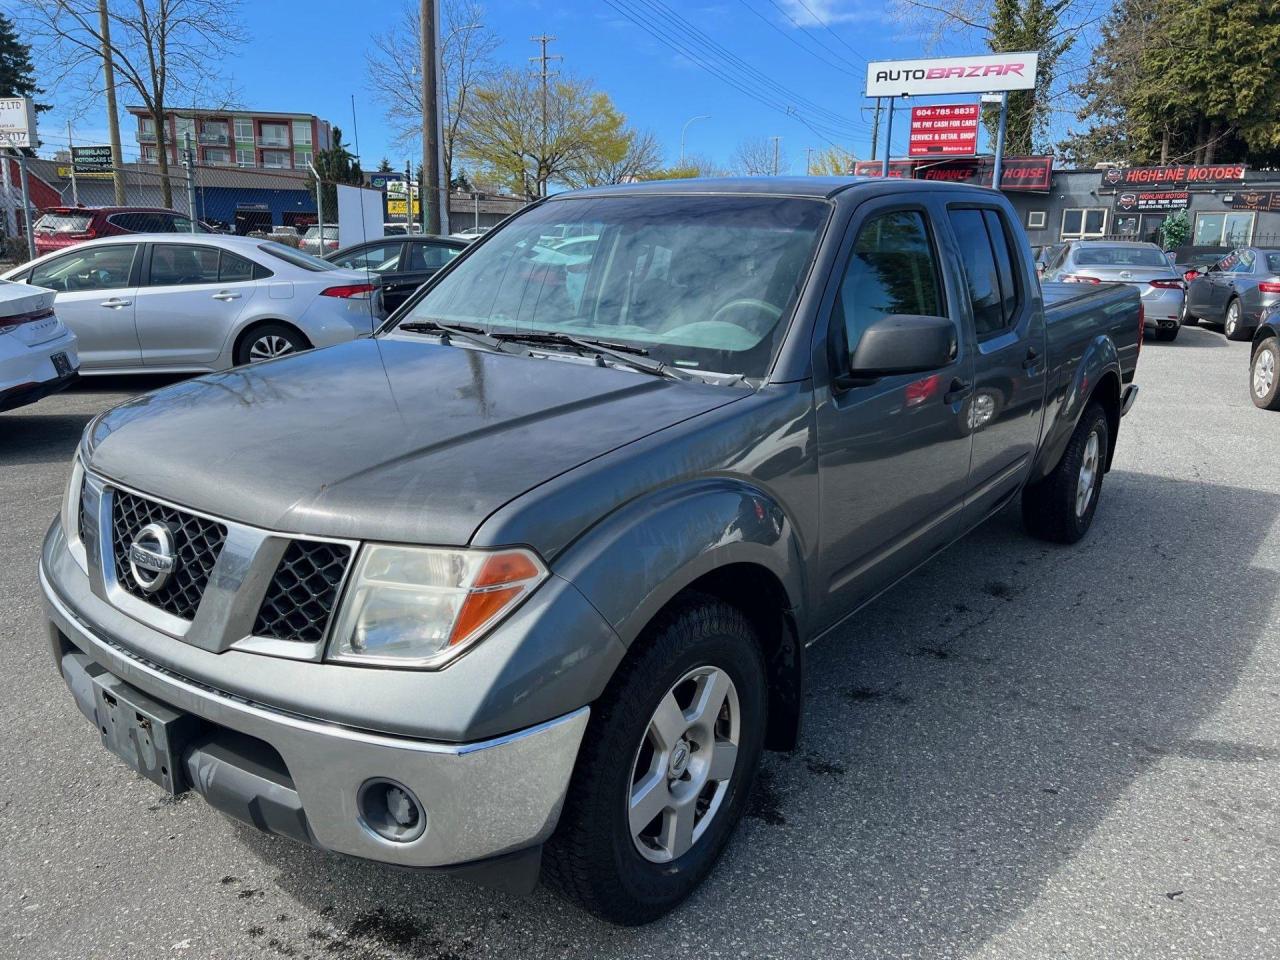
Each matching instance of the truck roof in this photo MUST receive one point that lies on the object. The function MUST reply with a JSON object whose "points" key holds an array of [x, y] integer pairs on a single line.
{"points": [[770, 186]]}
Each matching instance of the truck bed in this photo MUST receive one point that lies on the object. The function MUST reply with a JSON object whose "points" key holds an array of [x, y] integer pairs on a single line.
{"points": [[1075, 313]]}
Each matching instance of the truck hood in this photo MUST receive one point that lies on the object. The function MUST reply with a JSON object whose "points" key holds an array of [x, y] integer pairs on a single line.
{"points": [[391, 440]]}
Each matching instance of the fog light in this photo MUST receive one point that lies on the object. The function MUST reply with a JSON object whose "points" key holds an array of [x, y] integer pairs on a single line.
{"points": [[391, 810]]}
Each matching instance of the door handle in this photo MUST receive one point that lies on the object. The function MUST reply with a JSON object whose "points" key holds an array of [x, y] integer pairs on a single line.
{"points": [[225, 296], [958, 390], [115, 303], [1031, 360]]}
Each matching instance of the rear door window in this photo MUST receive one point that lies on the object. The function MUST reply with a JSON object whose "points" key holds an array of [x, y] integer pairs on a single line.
{"points": [[234, 269], [430, 256], [988, 268], [178, 264]]}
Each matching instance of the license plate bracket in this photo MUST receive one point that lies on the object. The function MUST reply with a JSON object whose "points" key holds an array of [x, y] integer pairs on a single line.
{"points": [[147, 735], [61, 363]]}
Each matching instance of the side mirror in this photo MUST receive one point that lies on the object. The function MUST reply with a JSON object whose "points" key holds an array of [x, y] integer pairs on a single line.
{"points": [[902, 343]]}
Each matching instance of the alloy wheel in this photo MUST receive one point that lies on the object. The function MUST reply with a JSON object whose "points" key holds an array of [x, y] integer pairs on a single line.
{"points": [[1088, 477], [269, 347], [1233, 319], [1264, 373], [684, 764]]}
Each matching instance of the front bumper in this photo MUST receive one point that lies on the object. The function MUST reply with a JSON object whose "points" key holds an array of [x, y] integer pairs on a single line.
{"points": [[483, 799]]}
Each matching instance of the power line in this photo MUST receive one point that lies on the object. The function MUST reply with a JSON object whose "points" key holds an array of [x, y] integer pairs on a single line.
{"points": [[800, 26], [792, 39], [825, 27]]}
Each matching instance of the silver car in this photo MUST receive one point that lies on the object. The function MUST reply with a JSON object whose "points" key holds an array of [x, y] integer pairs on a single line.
{"points": [[1140, 265], [177, 303], [1236, 291]]}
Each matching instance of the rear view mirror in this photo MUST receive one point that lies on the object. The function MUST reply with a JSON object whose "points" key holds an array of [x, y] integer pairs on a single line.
{"points": [[903, 343]]}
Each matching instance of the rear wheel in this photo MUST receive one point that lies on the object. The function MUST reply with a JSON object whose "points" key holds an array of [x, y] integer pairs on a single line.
{"points": [[1264, 375], [269, 341], [1233, 325], [665, 766], [1061, 506]]}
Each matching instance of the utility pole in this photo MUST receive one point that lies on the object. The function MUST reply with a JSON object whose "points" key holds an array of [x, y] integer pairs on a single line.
{"points": [[776, 142], [113, 118], [808, 161], [189, 161], [71, 152], [888, 142], [875, 129], [543, 58], [429, 194]]}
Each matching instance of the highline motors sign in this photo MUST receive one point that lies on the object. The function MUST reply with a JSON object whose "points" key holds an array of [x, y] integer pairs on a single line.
{"points": [[1129, 201], [1183, 175], [922, 78]]}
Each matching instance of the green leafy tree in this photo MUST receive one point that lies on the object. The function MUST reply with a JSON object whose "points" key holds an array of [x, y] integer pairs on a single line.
{"points": [[511, 138], [1018, 25], [17, 75], [384, 166], [335, 165], [1174, 230]]}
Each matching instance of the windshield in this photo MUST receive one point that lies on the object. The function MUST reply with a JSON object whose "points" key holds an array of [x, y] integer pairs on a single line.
{"points": [[296, 257], [702, 282], [1120, 257]]}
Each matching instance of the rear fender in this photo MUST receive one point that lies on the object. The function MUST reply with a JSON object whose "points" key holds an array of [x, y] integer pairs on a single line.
{"points": [[1098, 369]]}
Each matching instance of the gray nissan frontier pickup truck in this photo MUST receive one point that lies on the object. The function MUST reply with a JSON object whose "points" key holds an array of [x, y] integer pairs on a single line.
{"points": [[521, 585]]}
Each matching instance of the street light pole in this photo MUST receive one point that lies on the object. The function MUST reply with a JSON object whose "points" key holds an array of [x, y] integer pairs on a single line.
{"points": [[685, 129]]}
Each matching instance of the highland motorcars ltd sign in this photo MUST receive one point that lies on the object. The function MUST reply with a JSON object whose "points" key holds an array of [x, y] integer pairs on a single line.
{"points": [[1185, 175], [922, 78]]}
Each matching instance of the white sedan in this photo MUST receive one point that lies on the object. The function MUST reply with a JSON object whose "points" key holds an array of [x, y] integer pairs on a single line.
{"points": [[173, 303], [37, 352]]}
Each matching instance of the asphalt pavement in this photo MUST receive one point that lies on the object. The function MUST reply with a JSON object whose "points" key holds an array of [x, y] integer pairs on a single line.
{"points": [[1024, 751]]}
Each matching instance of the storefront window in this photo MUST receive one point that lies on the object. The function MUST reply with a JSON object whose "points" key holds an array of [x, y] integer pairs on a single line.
{"points": [[1223, 229]]}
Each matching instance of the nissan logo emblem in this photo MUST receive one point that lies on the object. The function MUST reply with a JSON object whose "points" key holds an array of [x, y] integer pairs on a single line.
{"points": [[152, 557]]}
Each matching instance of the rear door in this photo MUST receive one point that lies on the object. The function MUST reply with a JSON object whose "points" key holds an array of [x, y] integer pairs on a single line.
{"points": [[189, 301], [96, 292], [1006, 410]]}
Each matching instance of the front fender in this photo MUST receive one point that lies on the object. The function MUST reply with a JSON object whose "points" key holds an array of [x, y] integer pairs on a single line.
{"points": [[1098, 365], [636, 560]]}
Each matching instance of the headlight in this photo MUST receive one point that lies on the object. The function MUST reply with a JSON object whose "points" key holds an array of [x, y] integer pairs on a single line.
{"points": [[421, 606], [71, 512]]}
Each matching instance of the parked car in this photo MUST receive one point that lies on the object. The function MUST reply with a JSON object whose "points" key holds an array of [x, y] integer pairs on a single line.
{"points": [[400, 266], [470, 233], [313, 244], [180, 303], [1142, 266], [1264, 361], [526, 581], [1236, 291], [1192, 263], [62, 227], [1044, 254], [37, 352], [401, 229]]}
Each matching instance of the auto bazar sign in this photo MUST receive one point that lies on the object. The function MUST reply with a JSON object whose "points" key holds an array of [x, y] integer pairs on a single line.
{"points": [[922, 78], [1158, 200], [944, 130], [1173, 175], [1032, 174], [1264, 201]]}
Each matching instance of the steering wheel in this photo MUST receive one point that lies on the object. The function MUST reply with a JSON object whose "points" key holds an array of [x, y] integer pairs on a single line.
{"points": [[764, 306]]}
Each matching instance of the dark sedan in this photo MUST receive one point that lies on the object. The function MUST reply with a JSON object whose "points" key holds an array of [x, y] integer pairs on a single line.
{"points": [[1236, 291], [400, 264]]}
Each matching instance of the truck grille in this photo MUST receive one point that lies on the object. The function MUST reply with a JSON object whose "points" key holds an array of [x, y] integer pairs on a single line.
{"points": [[197, 541], [301, 596]]}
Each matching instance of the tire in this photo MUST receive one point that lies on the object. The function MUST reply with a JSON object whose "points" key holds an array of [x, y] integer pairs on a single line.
{"points": [[1233, 324], [1051, 508], [1167, 334], [1186, 318], [593, 858], [1264, 375], [268, 341]]}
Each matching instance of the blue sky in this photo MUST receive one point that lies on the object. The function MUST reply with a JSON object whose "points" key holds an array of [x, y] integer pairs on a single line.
{"points": [[309, 56]]}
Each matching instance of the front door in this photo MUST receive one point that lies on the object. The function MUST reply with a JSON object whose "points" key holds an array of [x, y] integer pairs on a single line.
{"points": [[96, 292], [1006, 411], [188, 303], [893, 454]]}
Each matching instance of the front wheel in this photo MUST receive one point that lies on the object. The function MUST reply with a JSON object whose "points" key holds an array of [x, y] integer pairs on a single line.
{"points": [[1233, 326], [1186, 318], [1264, 375], [665, 766], [1061, 506]]}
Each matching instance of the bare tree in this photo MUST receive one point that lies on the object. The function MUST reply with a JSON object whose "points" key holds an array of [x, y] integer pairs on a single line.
{"points": [[162, 49], [754, 157], [642, 158], [467, 46]]}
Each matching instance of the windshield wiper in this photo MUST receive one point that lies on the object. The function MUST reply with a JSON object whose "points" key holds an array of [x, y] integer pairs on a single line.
{"points": [[635, 357], [461, 330]]}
